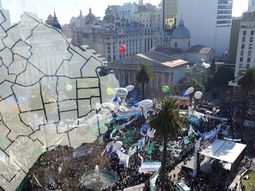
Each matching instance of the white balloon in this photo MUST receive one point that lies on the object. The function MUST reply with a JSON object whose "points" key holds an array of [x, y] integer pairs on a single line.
{"points": [[190, 90], [146, 104], [129, 88], [198, 94], [69, 87], [205, 65], [116, 146]]}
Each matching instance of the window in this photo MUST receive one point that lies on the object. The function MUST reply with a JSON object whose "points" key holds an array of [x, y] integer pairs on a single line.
{"points": [[175, 44], [189, 44], [242, 53], [248, 66], [248, 59], [249, 53], [243, 46], [241, 59], [244, 33], [252, 32], [243, 39], [251, 39], [224, 22], [250, 46]]}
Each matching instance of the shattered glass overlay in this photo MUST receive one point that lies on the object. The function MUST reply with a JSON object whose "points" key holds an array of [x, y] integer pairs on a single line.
{"points": [[48, 95]]}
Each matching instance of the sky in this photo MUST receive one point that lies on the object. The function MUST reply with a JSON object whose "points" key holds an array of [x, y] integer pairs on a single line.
{"points": [[65, 9]]}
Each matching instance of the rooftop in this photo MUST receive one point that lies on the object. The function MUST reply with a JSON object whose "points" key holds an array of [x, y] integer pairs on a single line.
{"points": [[154, 58], [199, 49], [223, 150]]}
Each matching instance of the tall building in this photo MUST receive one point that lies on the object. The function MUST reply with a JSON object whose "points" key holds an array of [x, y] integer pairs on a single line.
{"points": [[169, 14], [245, 57], [251, 5], [234, 35], [209, 22]]}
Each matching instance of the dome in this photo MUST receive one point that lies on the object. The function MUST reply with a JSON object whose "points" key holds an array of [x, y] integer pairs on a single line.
{"points": [[181, 32]]}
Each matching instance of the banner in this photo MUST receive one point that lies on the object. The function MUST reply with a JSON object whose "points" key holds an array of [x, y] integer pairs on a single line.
{"points": [[139, 187], [132, 150], [149, 167], [124, 159], [153, 180], [141, 143]]}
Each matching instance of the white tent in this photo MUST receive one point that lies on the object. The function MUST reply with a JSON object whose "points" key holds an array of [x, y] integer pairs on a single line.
{"points": [[223, 150]]}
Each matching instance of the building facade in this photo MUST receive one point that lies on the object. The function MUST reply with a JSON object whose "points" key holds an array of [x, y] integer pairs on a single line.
{"points": [[245, 57], [180, 38], [251, 7], [169, 14], [209, 22], [139, 32], [233, 43], [167, 70]]}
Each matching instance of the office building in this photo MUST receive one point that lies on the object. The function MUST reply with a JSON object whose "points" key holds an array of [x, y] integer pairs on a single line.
{"points": [[251, 7], [169, 14], [245, 57], [209, 22]]}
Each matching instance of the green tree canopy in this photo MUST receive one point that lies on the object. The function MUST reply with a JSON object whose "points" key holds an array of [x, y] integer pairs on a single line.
{"points": [[144, 75], [168, 124], [221, 78]]}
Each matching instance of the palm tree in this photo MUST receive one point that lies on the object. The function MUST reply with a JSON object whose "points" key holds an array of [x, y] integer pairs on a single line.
{"points": [[144, 75], [247, 83], [168, 124]]}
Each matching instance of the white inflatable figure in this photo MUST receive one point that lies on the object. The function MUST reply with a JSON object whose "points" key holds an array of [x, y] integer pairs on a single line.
{"points": [[129, 88], [120, 92], [116, 146], [189, 91], [108, 105], [146, 104]]}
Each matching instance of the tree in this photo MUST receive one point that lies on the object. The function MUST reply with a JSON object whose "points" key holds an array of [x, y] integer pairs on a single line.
{"points": [[185, 83], [212, 69], [221, 78], [168, 124], [247, 83], [144, 75]]}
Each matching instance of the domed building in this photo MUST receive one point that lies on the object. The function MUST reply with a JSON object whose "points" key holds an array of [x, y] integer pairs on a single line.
{"points": [[180, 37]]}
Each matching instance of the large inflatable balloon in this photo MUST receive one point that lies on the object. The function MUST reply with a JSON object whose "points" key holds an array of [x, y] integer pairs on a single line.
{"points": [[146, 104], [117, 145], [189, 91], [122, 92], [109, 91], [108, 105], [165, 89], [122, 48], [129, 88], [116, 99], [198, 94]]}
